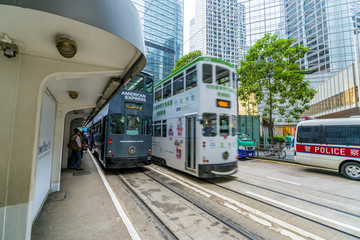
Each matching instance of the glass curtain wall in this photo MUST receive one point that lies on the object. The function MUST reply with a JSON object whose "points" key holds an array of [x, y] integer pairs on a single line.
{"points": [[162, 22]]}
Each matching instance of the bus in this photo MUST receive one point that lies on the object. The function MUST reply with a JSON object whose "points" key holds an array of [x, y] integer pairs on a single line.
{"points": [[120, 134], [330, 143], [194, 116]]}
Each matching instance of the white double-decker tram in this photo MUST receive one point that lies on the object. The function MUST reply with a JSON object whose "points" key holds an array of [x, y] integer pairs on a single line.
{"points": [[195, 119]]}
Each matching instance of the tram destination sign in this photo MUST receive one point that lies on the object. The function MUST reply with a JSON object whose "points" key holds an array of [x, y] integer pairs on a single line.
{"points": [[222, 103]]}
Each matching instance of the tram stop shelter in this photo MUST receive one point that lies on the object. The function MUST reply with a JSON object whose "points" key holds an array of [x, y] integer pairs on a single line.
{"points": [[60, 63]]}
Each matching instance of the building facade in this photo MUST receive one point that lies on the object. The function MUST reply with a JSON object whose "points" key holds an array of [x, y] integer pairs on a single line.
{"points": [[162, 22], [218, 29], [330, 29], [327, 28]]}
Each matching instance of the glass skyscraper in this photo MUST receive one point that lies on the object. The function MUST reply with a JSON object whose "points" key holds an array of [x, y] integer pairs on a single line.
{"points": [[218, 29], [325, 26], [162, 22]]}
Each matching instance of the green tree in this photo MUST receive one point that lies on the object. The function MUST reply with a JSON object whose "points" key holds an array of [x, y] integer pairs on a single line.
{"points": [[186, 59], [270, 75]]}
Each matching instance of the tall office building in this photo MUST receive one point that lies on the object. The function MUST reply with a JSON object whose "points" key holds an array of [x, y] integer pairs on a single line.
{"points": [[218, 29], [327, 28], [162, 22], [330, 28]]}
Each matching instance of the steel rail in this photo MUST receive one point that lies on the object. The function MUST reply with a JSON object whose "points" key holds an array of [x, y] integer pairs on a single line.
{"points": [[213, 214], [158, 220]]}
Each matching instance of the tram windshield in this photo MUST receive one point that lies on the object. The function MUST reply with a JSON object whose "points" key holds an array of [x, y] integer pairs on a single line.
{"points": [[133, 124], [224, 125], [117, 123], [146, 125], [135, 84], [209, 125], [222, 76]]}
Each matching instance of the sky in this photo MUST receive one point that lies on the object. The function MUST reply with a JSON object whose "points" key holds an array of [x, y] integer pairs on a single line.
{"points": [[189, 8]]}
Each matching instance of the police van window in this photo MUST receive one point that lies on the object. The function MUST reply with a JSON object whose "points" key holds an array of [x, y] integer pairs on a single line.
{"points": [[164, 128], [146, 125], [207, 73], [222, 76], [224, 125], [342, 135], [167, 89], [117, 123], [209, 125], [158, 95], [132, 124], [136, 84], [310, 134], [178, 84], [157, 129], [149, 85], [191, 80]]}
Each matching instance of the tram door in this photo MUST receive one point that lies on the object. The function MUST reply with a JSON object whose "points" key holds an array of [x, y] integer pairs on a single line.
{"points": [[191, 142]]}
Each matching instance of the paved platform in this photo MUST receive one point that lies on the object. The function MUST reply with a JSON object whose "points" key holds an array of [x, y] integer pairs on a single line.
{"points": [[83, 209]]}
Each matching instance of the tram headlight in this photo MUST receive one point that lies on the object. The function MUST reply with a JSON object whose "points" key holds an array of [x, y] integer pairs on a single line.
{"points": [[132, 150], [241, 148], [225, 155]]}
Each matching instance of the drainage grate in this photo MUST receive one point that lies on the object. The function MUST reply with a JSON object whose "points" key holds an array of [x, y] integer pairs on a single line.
{"points": [[81, 173]]}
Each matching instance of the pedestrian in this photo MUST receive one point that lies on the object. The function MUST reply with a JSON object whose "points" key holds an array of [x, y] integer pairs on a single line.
{"points": [[288, 141], [293, 142], [76, 147]]}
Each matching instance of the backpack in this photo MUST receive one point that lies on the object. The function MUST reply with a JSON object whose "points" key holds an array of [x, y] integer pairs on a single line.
{"points": [[73, 145]]}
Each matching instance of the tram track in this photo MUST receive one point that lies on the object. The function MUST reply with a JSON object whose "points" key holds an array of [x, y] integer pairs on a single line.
{"points": [[292, 213], [313, 220], [163, 223], [291, 196], [217, 216], [160, 223]]}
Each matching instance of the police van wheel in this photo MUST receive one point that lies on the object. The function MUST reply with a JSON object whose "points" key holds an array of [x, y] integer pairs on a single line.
{"points": [[351, 170]]}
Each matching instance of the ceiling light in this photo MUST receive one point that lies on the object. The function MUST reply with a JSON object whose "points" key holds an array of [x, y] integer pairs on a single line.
{"points": [[66, 46], [73, 94]]}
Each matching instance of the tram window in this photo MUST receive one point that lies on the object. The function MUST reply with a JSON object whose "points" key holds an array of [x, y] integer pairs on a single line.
{"points": [[157, 129], [191, 80], [146, 125], [224, 125], [149, 85], [167, 89], [117, 123], [132, 125], [135, 84], [233, 125], [222, 76], [164, 128], [158, 96], [209, 125], [178, 84], [207, 73]]}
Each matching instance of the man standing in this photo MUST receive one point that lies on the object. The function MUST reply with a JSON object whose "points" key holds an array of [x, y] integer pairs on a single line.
{"points": [[288, 140], [75, 145]]}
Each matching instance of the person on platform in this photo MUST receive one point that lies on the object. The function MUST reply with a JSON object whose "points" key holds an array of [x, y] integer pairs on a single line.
{"points": [[76, 147]]}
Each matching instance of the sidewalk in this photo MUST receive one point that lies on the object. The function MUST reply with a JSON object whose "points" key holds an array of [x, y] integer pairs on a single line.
{"points": [[289, 155], [83, 209]]}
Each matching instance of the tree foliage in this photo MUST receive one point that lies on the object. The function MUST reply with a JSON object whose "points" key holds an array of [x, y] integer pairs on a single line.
{"points": [[186, 59], [271, 76]]}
